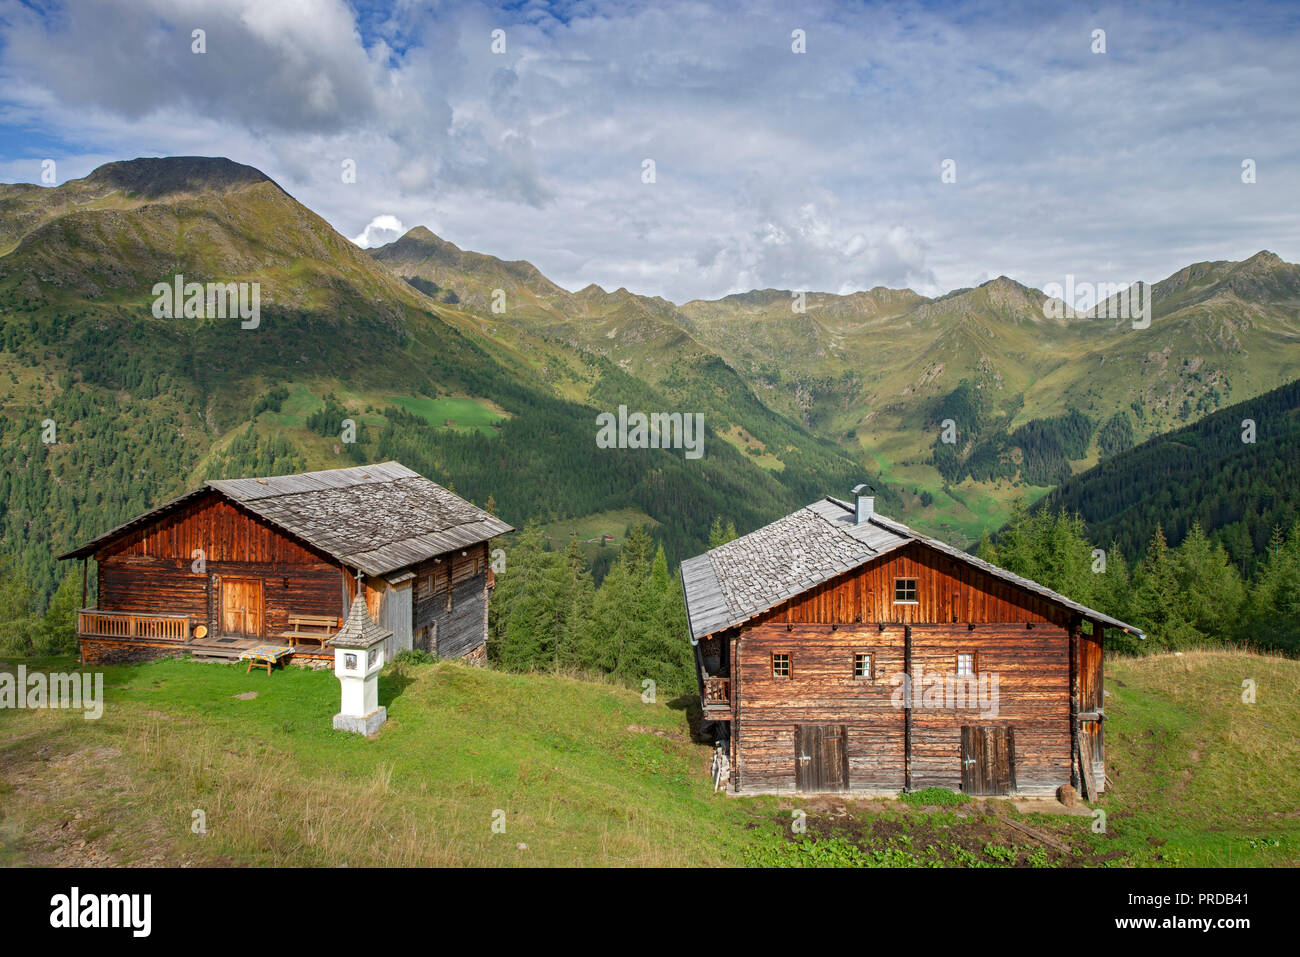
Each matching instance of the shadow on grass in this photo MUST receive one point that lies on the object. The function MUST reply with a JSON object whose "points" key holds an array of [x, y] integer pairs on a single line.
{"points": [[392, 682], [689, 705]]}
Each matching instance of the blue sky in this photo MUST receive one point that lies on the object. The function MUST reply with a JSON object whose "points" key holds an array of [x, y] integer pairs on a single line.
{"points": [[814, 170]]}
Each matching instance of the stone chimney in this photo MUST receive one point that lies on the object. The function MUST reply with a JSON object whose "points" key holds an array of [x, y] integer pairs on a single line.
{"points": [[866, 502]]}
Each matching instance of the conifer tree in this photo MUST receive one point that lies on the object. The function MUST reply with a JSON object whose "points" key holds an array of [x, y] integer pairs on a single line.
{"points": [[720, 533], [1272, 615], [57, 632], [522, 611], [576, 594], [638, 550], [1212, 592], [1157, 605], [17, 622]]}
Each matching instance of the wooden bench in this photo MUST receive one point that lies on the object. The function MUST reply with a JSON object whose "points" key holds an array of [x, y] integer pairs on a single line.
{"points": [[311, 628]]}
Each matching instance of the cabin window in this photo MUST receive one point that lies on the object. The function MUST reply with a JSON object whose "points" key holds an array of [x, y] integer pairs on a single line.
{"points": [[862, 664], [905, 591], [781, 665], [965, 664]]}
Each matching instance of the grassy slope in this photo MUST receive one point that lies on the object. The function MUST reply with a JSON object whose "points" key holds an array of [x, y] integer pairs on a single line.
{"points": [[1194, 766], [589, 775], [566, 761]]}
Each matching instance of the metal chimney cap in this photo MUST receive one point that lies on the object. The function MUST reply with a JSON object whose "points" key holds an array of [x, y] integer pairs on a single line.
{"points": [[857, 489]]}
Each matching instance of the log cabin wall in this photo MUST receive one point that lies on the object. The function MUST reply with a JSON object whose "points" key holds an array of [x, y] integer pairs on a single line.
{"points": [[450, 601], [1021, 637], [821, 689], [1032, 696], [149, 570]]}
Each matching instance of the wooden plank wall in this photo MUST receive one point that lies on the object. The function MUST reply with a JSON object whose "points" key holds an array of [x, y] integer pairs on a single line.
{"points": [[150, 570], [1092, 698], [398, 616], [389, 607], [1033, 669], [820, 690], [1033, 697], [224, 531], [451, 594], [948, 590]]}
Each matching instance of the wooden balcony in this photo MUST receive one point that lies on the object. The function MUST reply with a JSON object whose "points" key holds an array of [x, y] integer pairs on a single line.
{"points": [[93, 623], [717, 697], [717, 690]]}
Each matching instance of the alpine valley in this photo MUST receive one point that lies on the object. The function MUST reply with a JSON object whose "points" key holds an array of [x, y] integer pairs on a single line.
{"points": [[488, 377]]}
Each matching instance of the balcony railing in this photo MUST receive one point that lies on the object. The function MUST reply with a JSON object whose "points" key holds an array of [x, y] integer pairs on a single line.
{"points": [[93, 623], [717, 691]]}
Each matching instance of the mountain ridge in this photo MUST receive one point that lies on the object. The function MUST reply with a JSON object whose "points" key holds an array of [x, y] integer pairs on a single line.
{"points": [[798, 403], [149, 405]]}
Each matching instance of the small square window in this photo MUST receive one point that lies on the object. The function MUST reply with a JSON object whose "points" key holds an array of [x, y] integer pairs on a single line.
{"points": [[781, 666], [965, 664], [862, 664], [905, 591]]}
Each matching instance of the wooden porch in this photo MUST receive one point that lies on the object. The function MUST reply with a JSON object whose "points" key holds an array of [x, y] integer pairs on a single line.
{"points": [[177, 632], [93, 623]]}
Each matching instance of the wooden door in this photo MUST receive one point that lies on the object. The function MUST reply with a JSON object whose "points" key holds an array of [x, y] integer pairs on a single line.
{"points": [[988, 760], [821, 757], [242, 607]]}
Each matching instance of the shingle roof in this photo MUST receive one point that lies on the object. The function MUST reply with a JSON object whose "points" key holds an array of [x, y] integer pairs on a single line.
{"points": [[377, 518], [749, 575]]}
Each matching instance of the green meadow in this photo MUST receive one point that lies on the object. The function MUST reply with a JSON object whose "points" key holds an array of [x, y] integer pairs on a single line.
{"points": [[485, 768]]}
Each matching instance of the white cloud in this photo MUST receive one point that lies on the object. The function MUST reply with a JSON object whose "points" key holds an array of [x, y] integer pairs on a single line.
{"points": [[380, 230], [814, 171]]}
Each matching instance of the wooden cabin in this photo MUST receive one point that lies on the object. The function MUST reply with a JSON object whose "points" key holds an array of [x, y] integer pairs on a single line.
{"points": [[278, 560], [838, 650]]}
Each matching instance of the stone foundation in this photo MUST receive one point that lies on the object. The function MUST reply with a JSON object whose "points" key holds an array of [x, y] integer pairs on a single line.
{"points": [[96, 651], [477, 657]]}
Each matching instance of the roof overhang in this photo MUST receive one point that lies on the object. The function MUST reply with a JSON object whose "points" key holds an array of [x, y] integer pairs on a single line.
{"points": [[254, 496], [708, 612]]}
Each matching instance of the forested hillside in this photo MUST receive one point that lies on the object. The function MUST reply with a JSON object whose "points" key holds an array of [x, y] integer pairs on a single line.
{"points": [[1034, 393], [1200, 530], [1187, 596], [1236, 473], [109, 409]]}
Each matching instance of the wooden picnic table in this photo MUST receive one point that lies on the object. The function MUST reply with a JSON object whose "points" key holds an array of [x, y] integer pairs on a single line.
{"points": [[264, 655]]}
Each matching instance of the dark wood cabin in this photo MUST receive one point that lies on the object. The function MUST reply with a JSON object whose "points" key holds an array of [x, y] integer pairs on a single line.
{"points": [[809, 632], [277, 560]]}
